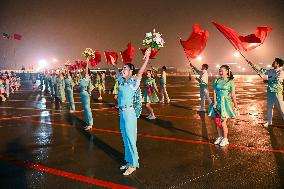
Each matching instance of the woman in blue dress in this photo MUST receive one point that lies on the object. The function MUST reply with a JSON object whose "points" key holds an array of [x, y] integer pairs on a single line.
{"points": [[128, 120], [69, 85], [86, 88]]}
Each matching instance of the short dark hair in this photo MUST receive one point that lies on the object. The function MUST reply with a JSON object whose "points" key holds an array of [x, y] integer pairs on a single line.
{"points": [[279, 61], [205, 66], [164, 68]]}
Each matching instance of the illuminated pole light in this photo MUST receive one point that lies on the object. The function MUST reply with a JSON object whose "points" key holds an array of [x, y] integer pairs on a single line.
{"points": [[239, 67], [54, 60], [268, 66], [243, 69], [217, 66]]}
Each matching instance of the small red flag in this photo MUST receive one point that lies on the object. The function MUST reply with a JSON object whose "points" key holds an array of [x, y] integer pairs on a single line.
{"points": [[244, 43], [83, 64], [127, 55], [153, 52], [96, 59], [111, 57], [196, 42], [17, 36]]}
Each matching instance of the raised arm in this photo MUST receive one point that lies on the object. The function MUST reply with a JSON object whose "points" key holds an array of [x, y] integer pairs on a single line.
{"points": [[257, 68], [144, 65], [199, 72]]}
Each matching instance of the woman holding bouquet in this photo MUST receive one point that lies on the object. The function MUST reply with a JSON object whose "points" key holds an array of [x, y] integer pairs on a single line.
{"points": [[224, 104], [86, 88], [128, 120], [150, 95]]}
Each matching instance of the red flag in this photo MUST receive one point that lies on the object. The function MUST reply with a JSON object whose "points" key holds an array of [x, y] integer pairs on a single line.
{"points": [[127, 55], [153, 52], [111, 57], [71, 67], [96, 59], [196, 42], [83, 64], [245, 43], [17, 36]]}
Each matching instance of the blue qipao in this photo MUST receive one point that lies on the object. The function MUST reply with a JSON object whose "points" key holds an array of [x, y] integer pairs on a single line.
{"points": [[69, 85], [86, 88], [128, 91]]}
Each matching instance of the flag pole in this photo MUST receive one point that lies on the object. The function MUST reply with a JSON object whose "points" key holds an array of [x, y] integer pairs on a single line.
{"points": [[250, 65], [188, 59]]}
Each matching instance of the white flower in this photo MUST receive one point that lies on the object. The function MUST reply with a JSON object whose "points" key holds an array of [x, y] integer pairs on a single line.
{"points": [[149, 34], [159, 40]]}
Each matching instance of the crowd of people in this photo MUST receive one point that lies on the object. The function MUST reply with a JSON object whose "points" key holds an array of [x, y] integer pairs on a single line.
{"points": [[223, 106], [9, 83]]}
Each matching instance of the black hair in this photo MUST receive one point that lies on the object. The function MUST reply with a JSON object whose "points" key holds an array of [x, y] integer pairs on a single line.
{"points": [[131, 67], [152, 73], [279, 61], [230, 73], [164, 68], [205, 66]]}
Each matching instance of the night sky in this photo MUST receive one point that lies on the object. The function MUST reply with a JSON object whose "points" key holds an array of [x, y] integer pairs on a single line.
{"points": [[62, 29]]}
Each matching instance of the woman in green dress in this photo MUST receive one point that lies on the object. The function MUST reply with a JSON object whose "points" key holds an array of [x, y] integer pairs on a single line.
{"points": [[150, 93], [61, 87], [224, 105], [99, 85], [115, 89]]}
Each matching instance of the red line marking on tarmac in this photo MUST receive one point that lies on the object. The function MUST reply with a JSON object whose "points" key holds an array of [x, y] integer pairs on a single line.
{"points": [[51, 114], [27, 116], [233, 146], [65, 174]]}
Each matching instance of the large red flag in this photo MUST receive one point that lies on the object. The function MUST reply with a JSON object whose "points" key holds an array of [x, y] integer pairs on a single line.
{"points": [[111, 57], [196, 42], [245, 43], [153, 52], [96, 59], [127, 55]]}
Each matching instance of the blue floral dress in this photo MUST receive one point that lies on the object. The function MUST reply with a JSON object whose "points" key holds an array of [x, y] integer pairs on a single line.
{"points": [[225, 107]]}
